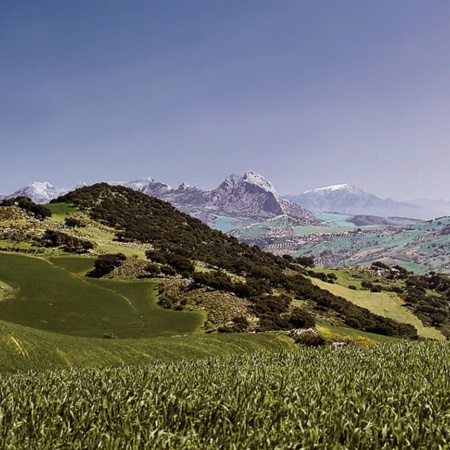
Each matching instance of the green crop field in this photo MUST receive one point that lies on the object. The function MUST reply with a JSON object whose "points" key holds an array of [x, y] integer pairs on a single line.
{"points": [[383, 397]]}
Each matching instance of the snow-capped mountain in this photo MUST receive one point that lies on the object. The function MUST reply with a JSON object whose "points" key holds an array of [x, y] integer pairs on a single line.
{"points": [[250, 198], [254, 197], [241, 199], [39, 192], [348, 199]]}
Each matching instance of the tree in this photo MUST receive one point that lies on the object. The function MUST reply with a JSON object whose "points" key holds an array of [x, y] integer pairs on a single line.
{"points": [[305, 261], [106, 264]]}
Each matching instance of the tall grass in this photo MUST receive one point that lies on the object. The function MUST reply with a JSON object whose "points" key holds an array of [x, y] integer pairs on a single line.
{"points": [[391, 396]]}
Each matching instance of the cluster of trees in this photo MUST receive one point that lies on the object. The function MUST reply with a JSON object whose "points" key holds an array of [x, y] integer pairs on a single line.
{"points": [[428, 296], [25, 203], [105, 264], [71, 244], [178, 239]]}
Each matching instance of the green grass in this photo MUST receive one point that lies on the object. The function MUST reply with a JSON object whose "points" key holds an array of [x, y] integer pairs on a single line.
{"points": [[386, 304], [352, 333], [51, 298], [312, 229], [77, 265], [61, 210], [23, 348]]}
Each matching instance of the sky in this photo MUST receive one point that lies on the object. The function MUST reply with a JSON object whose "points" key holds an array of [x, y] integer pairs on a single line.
{"points": [[308, 93]]}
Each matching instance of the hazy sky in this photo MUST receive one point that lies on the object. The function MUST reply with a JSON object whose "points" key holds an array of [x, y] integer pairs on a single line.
{"points": [[306, 92]]}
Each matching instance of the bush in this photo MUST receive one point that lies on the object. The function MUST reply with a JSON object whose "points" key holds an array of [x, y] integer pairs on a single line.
{"points": [[299, 318], [106, 264], [305, 261], [310, 338]]}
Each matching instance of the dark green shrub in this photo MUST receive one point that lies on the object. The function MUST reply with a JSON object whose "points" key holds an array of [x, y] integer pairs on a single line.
{"points": [[106, 264]]}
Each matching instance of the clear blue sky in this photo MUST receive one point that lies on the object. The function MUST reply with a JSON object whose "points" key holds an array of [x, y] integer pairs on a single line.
{"points": [[307, 92]]}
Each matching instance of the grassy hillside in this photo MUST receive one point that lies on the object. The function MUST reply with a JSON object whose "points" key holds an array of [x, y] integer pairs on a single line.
{"points": [[49, 296], [177, 240], [23, 348], [232, 286], [387, 304]]}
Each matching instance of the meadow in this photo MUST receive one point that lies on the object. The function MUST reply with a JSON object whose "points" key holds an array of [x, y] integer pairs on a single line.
{"points": [[381, 397], [54, 295]]}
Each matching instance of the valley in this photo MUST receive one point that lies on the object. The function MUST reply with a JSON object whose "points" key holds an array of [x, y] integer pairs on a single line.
{"points": [[421, 247]]}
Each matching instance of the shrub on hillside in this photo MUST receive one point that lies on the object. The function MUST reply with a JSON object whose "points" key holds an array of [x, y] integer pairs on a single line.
{"points": [[73, 222], [71, 244], [105, 264], [305, 261], [25, 203], [310, 338]]}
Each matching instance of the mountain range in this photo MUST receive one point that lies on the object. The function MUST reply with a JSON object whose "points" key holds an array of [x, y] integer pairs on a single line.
{"points": [[237, 201], [247, 199], [348, 199]]}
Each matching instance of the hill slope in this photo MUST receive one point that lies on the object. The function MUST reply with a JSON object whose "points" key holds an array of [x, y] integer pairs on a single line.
{"points": [[264, 284]]}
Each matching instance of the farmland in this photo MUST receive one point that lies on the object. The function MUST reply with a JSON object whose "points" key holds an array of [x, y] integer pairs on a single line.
{"points": [[388, 396], [420, 247]]}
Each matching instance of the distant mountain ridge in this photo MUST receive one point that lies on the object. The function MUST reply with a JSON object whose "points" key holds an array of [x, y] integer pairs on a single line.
{"points": [[348, 199], [246, 199], [242, 200], [39, 192], [250, 197]]}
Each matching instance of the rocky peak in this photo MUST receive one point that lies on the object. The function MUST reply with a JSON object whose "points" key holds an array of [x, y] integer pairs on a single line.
{"points": [[258, 180]]}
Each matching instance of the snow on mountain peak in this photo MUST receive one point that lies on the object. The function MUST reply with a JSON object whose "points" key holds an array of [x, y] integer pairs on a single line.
{"points": [[259, 180], [40, 187], [183, 186], [335, 187]]}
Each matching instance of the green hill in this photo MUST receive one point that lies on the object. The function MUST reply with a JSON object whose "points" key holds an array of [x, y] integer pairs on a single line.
{"points": [[265, 283]]}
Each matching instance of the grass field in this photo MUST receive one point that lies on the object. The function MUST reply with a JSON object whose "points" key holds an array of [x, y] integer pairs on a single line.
{"points": [[51, 295], [23, 348]]}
